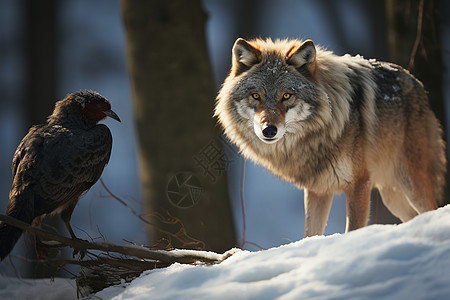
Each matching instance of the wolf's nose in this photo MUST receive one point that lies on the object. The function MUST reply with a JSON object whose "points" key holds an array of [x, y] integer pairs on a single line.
{"points": [[269, 131]]}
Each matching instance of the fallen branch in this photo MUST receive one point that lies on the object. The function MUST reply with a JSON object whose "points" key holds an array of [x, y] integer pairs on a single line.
{"points": [[105, 269], [169, 256]]}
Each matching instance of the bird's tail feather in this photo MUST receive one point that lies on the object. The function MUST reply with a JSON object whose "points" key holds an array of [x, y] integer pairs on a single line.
{"points": [[20, 207]]}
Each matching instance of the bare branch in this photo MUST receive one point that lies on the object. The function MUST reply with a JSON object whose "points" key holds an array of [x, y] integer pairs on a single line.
{"points": [[418, 36], [168, 256]]}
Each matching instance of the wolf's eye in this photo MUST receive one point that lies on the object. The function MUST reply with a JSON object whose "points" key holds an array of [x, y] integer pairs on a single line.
{"points": [[286, 96], [256, 96]]}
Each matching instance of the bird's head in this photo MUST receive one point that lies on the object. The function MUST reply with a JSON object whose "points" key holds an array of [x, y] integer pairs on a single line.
{"points": [[93, 105]]}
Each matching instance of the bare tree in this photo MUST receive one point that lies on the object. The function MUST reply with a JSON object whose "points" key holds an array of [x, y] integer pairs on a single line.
{"points": [[182, 162]]}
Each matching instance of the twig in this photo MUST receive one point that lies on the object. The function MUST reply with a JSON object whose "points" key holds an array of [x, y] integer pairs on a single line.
{"points": [[244, 222], [418, 36], [130, 264], [244, 226], [182, 236], [254, 245]]}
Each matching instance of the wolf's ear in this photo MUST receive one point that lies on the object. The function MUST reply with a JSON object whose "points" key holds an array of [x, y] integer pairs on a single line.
{"points": [[303, 57], [245, 55]]}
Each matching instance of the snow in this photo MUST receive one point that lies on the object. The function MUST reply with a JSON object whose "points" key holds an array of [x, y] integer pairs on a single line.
{"points": [[37, 289], [406, 261]]}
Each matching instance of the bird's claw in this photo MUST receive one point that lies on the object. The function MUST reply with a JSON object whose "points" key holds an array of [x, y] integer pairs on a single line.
{"points": [[81, 251]]}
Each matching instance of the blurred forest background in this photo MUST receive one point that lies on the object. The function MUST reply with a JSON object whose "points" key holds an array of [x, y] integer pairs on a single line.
{"points": [[160, 63]]}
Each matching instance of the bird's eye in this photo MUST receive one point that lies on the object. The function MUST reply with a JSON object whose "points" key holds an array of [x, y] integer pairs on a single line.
{"points": [[98, 105], [286, 96], [256, 96]]}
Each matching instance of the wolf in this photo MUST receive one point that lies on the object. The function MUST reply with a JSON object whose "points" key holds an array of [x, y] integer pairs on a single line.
{"points": [[331, 124]]}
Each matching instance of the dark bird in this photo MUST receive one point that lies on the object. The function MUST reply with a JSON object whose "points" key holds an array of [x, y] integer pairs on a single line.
{"points": [[57, 162]]}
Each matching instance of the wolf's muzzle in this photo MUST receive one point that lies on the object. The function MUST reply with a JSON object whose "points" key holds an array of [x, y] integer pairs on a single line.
{"points": [[269, 131]]}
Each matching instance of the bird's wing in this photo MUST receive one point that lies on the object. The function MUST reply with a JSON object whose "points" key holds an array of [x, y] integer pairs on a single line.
{"points": [[28, 147], [73, 161]]}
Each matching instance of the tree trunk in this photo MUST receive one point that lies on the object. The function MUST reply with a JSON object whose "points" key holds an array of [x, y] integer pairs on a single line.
{"points": [[41, 87], [41, 54], [182, 162]]}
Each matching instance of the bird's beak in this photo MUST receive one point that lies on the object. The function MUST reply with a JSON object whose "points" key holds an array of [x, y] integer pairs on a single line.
{"points": [[112, 114]]}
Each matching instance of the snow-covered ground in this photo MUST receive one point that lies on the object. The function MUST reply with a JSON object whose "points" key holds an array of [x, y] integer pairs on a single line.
{"points": [[37, 289], [407, 261]]}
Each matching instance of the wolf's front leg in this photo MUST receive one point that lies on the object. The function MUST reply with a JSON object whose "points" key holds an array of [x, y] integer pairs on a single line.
{"points": [[317, 208], [358, 204]]}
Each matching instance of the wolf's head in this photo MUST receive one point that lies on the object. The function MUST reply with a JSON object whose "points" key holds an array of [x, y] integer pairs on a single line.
{"points": [[271, 90]]}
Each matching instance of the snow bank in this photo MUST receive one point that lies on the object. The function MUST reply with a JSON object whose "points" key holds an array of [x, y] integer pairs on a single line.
{"points": [[407, 261]]}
